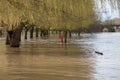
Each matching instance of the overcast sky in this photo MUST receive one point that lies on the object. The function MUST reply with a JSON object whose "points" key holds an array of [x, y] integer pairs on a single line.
{"points": [[105, 11]]}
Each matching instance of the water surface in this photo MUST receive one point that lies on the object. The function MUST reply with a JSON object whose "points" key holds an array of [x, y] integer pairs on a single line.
{"points": [[48, 59]]}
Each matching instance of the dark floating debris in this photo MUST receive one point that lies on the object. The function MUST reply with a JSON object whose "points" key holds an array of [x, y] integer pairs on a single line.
{"points": [[100, 53]]}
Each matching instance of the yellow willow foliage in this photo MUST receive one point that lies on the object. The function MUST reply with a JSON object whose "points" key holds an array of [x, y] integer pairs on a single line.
{"points": [[9, 15], [80, 12], [55, 14]]}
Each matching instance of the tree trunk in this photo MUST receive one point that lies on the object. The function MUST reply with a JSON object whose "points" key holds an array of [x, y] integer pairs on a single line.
{"points": [[37, 30], [78, 34], [1, 33], [44, 33], [15, 40], [41, 32], [26, 30], [7, 39], [65, 36], [21, 28], [16, 36], [70, 34], [31, 32]]}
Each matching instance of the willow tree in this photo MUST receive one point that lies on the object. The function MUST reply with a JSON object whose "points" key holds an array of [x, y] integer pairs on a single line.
{"points": [[68, 15], [45, 14], [10, 17]]}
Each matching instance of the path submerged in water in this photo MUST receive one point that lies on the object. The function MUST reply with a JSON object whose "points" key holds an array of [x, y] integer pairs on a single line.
{"points": [[48, 59]]}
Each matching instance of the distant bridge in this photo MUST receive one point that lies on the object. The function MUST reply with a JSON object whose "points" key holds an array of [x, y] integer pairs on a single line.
{"points": [[110, 28], [112, 25]]}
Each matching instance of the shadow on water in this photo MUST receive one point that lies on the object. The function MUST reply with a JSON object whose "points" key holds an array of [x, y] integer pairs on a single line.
{"points": [[52, 49]]}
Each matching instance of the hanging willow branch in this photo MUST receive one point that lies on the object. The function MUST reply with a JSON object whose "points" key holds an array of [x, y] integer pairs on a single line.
{"points": [[55, 14]]}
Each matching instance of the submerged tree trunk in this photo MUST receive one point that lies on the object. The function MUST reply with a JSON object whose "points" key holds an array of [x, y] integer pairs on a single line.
{"points": [[79, 34], [13, 37], [26, 31], [1, 33], [31, 32], [44, 33], [15, 41], [41, 33], [8, 39], [70, 34], [37, 30], [65, 36]]}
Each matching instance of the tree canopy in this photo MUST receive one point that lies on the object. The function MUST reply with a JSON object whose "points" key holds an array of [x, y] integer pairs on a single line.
{"points": [[55, 14]]}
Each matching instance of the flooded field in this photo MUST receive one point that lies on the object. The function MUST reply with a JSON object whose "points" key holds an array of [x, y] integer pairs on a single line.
{"points": [[47, 59]]}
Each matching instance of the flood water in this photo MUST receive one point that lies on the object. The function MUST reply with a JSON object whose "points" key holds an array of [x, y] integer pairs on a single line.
{"points": [[47, 59]]}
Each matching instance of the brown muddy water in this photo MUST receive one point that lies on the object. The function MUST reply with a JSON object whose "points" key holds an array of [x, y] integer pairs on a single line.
{"points": [[47, 59]]}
